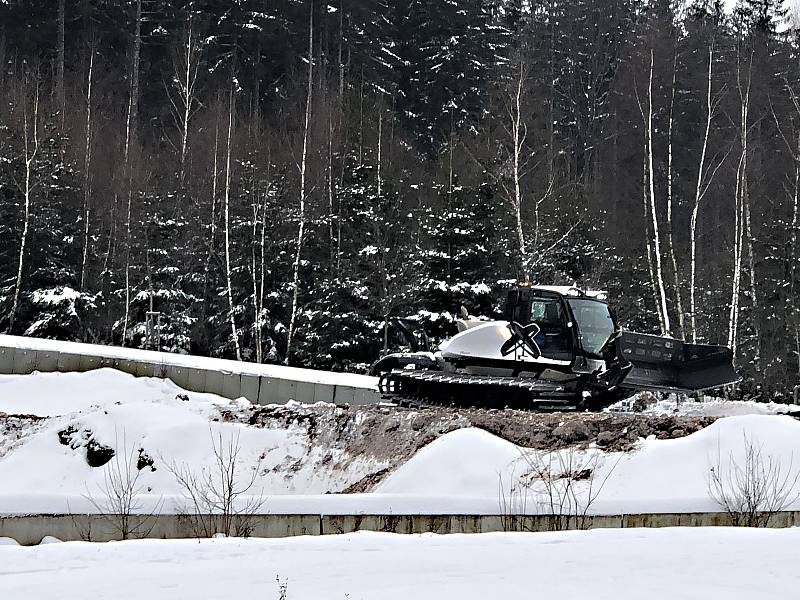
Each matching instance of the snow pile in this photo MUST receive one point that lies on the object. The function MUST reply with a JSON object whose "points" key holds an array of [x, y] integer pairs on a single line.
{"points": [[660, 476], [156, 426], [52, 394], [623, 564], [466, 462]]}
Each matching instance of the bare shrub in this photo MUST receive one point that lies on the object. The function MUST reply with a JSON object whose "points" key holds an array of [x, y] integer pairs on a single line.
{"points": [[513, 500], [217, 499], [119, 498], [283, 587], [750, 493], [562, 485]]}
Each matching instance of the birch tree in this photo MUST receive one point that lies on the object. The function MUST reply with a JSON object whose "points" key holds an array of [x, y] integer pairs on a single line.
{"points": [[302, 196], [518, 132], [130, 134], [183, 100], [654, 254], [743, 86], [705, 175], [670, 203], [226, 208], [87, 163], [30, 137], [793, 147]]}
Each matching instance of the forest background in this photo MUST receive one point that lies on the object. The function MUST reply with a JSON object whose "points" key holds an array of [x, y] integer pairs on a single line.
{"points": [[279, 180]]}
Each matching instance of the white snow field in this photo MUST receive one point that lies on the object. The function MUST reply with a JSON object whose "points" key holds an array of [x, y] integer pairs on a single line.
{"points": [[44, 469], [624, 564]]}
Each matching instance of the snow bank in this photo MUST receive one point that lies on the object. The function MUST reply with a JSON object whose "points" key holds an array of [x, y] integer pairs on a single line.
{"points": [[153, 420], [465, 462], [660, 476], [185, 360], [657, 564], [52, 394], [672, 475], [46, 469]]}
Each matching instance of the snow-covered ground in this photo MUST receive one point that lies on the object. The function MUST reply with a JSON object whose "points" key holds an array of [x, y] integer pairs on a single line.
{"points": [[44, 468], [48, 471], [659, 476], [657, 564], [673, 404]]}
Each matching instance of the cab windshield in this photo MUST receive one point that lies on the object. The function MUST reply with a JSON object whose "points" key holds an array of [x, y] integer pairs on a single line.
{"points": [[595, 324]]}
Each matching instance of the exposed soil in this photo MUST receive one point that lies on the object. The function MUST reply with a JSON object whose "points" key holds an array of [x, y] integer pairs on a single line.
{"points": [[393, 434], [14, 428]]}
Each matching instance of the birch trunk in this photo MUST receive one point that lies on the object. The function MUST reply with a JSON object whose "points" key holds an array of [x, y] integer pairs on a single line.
{"points": [[213, 225], [670, 240], [752, 270], [733, 321], [87, 161], [31, 147], [302, 197], [257, 215], [186, 65], [231, 318], [741, 194], [130, 133], [646, 205], [518, 133], [662, 295], [262, 245], [698, 196]]}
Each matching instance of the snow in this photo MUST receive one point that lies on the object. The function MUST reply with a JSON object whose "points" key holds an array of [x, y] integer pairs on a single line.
{"points": [[185, 360], [49, 539], [52, 394], [461, 463], [659, 476], [56, 295], [709, 407], [625, 564], [173, 427], [461, 472]]}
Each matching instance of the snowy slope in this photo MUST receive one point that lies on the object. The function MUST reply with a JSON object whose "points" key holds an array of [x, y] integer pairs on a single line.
{"points": [[48, 470], [656, 564], [660, 476]]}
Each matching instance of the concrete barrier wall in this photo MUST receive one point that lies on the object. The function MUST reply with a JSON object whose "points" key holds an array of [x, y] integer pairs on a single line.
{"points": [[259, 389], [30, 529]]}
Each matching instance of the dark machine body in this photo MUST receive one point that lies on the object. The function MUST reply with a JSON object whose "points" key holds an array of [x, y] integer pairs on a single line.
{"points": [[559, 348]]}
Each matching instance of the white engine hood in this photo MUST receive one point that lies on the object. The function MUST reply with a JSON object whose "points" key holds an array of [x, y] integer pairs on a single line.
{"points": [[485, 340]]}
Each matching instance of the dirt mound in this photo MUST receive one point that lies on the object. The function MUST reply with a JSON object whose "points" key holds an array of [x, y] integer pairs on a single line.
{"points": [[394, 434]]}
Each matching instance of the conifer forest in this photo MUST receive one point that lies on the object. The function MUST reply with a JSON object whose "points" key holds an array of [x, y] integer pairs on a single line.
{"points": [[301, 181]]}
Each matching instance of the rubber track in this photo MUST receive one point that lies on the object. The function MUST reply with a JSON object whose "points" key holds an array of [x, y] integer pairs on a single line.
{"points": [[438, 388]]}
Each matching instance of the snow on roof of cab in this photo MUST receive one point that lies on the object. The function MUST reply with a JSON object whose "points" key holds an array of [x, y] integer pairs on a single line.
{"points": [[572, 290]]}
